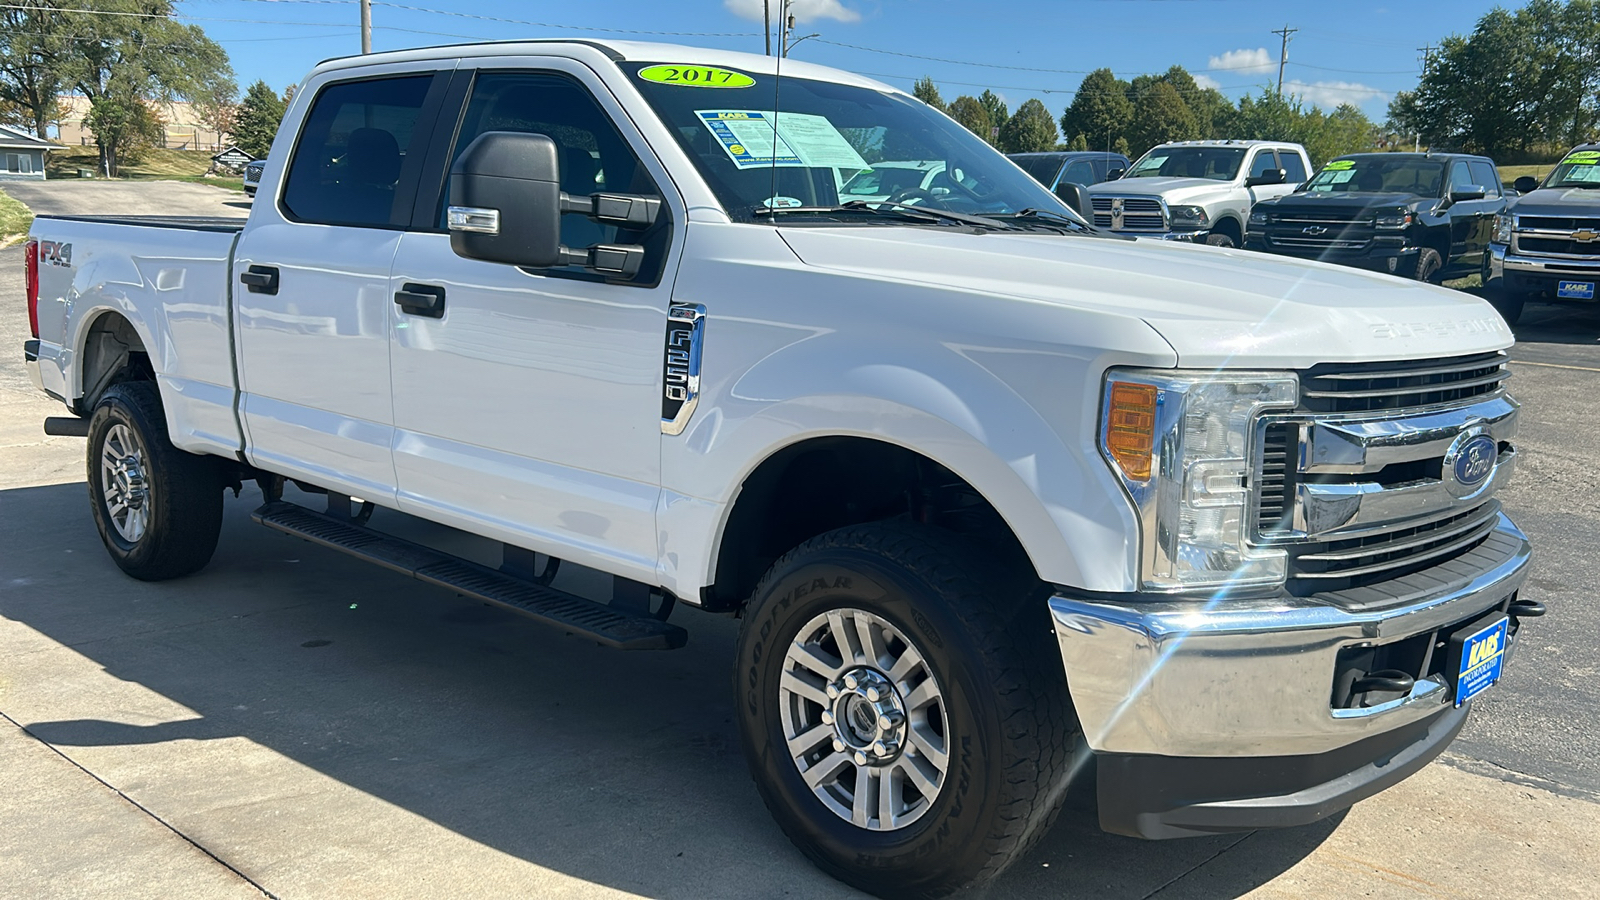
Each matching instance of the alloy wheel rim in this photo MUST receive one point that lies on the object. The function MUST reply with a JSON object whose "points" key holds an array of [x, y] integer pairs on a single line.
{"points": [[864, 719], [124, 484]]}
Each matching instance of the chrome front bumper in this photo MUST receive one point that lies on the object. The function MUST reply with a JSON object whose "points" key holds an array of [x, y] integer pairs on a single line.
{"points": [[1254, 677], [1501, 261]]}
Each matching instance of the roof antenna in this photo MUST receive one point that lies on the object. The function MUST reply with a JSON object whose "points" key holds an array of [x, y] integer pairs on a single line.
{"points": [[785, 22]]}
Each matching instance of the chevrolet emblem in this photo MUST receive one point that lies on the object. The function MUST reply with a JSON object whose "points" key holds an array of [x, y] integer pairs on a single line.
{"points": [[1586, 237]]}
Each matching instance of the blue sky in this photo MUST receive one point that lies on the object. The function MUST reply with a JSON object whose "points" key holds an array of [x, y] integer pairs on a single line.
{"points": [[1347, 51]]}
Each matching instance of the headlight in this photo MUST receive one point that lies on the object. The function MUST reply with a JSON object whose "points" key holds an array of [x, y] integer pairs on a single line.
{"points": [[1187, 216], [1182, 444], [1393, 218], [1502, 229], [1258, 217]]}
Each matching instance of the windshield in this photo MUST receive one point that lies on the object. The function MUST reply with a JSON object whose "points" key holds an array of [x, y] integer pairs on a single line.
{"points": [[1215, 163], [830, 140], [1580, 169], [1376, 174]]}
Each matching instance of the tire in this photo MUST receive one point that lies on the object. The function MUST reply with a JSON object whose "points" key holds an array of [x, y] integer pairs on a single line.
{"points": [[1509, 305], [158, 508], [1216, 239], [1002, 705], [1428, 265]]}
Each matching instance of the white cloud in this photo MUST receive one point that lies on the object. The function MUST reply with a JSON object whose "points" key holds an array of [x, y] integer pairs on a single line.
{"points": [[1329, 94], [1206, 81], [1247, 61], [803, 10]]}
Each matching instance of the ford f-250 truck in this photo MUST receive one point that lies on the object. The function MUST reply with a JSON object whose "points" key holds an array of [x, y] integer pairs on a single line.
{"points": [[1001, 500], [1547, 242]]}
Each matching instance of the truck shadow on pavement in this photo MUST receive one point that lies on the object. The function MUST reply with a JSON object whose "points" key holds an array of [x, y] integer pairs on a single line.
{"points": [[622, 770], [1559, 323]]}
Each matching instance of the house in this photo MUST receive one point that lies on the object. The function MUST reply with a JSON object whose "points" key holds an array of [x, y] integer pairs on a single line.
{"points": [[21, 155]]}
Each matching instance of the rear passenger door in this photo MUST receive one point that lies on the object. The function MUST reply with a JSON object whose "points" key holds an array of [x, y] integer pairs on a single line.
{"points": [[529, 409], [313, 327]]}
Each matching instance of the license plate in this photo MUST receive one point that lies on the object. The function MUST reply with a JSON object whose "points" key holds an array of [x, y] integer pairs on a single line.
{"points": [[1575, 290], [1480, 656]]}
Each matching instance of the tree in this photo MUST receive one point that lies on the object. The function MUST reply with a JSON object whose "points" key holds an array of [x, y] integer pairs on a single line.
{"points": [[256, 122], [125, 126], [1078, 142], [928, 92], [34, 46], [126, 61], [998, 114], [1031, 129], [1161, 116], [971, 114], [1121, 146], [1100, 110]]}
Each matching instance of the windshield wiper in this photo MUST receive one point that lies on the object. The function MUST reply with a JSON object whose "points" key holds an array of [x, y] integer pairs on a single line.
{"points": [[1047, 218], [889, 208]]}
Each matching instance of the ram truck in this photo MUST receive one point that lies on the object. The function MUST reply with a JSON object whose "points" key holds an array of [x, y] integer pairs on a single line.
{"points": [[1197, 191], [1001, 499], [1546, 244], [1423, 216]]}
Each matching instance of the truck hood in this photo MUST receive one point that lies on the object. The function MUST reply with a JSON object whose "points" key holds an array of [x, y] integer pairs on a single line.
{"points": [[1172, 190], [1216, 307], [1345, 201], [1558, 202]]}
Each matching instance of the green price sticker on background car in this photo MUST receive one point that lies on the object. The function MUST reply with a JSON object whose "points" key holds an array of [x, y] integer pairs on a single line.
{"points": [[1339, 165], [696, 76]]}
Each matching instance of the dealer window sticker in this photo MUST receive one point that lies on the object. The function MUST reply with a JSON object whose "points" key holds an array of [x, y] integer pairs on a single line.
{"points": [[759, 138], [696, 76], [1340, 165]]}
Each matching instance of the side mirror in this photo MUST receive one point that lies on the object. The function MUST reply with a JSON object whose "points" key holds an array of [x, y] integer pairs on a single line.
{"points": [[1114, 174], [506, 205], [1270, 176], [1071, 193], [1475, 192], [1527, 184]]}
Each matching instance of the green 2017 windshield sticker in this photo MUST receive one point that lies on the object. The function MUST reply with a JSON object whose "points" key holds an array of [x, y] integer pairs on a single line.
{"points": [[1583, 156], [1339, 165], [696, 76]]}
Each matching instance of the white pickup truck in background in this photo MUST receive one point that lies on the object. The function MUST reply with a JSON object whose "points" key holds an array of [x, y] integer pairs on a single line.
{"points": [[1001, 499]]}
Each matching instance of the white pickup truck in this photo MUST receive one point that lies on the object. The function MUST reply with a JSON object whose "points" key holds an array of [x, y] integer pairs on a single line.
{"points": [[1002, 500]]}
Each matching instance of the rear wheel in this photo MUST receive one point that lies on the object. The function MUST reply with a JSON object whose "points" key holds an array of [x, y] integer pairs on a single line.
{"points": [[158, 509], [908, 728]]}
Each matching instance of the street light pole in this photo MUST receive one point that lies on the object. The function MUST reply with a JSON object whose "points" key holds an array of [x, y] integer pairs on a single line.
{"points": [[366, 26]]}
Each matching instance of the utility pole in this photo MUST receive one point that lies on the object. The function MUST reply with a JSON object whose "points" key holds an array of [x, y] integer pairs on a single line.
{"points": [[766, 23], [1283, 54], [785, 22], [1427, 56], [366, 26]]}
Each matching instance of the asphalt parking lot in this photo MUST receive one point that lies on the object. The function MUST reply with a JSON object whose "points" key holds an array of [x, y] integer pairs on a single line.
{"points": [[292, 723]]}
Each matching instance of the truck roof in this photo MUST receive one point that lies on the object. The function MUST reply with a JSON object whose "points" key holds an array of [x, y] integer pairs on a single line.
{"points": [[1225, 143], [615, 51], [1426, 155]]}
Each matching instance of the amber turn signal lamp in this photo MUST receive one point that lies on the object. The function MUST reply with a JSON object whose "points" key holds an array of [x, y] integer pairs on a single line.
{"points": [[1131, 428]]}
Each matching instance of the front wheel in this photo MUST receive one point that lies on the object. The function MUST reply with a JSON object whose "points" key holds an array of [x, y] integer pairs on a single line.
{"points": [[1218, 239], [158, 508], [908, 729], [1429, 262]]}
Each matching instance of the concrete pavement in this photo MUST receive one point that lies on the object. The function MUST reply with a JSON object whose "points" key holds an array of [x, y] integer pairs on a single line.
{"points": [[94, 197], [292, 723]]}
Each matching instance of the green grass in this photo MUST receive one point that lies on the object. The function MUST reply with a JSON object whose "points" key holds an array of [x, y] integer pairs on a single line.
{"points": [[1509, 174], [14, 219], [153, 165]]}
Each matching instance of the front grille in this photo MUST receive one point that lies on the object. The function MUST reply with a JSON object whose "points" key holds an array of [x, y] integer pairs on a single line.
{"points": [[1138, 214], [1342, 241], [1558, 223], [1395, 386], [1562, 246], [1272, 510], [1322, 218], [1362, 560]]}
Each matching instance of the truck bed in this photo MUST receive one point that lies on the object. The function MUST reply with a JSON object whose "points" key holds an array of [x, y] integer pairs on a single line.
{"points": [[225, 224]]}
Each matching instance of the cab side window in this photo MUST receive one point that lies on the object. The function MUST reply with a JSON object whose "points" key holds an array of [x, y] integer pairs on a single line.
{"points": [[1460, 178], [347, 164], [594, 155], [1079, 172], [1263, 163], [1484, 175], [1289, 161]]}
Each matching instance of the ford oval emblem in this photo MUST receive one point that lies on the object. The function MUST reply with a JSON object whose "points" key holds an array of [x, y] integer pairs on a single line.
{"points": [[1474, 460]]}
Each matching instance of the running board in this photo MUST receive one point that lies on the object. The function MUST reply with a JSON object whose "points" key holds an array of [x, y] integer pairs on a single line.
{"points": [[609, 626]]}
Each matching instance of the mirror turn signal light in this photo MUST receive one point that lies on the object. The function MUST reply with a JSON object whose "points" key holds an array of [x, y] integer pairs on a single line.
{"points": [[1131, 428]]}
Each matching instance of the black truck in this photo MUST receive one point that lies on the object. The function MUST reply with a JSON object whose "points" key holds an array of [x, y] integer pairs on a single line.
{"points": [[1427, 216], [1547, 242]]}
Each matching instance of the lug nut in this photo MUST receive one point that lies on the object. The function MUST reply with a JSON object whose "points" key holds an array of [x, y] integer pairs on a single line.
{"points": [[850, 681], [838, 745], [872, 694], [827, 717], [861, 758], [889, 720], [879, 748], [832, 691]]}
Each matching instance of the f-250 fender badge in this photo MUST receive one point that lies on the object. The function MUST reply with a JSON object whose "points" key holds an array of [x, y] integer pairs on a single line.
{"points": [[680, 392], [54, 253]]}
